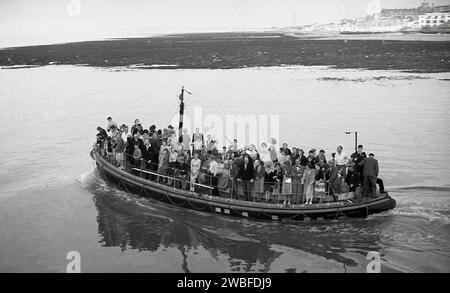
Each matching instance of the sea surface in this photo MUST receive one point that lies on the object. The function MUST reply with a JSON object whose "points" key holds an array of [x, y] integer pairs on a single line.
{"points": [[52, 200]]}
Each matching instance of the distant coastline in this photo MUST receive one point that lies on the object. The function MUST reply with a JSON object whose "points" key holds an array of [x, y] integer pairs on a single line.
{"points": [[405, 52], [398, 36]]}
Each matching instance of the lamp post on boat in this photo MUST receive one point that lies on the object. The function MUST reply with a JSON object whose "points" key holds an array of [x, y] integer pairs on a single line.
{"points": [[180, 125], [356, 138]]}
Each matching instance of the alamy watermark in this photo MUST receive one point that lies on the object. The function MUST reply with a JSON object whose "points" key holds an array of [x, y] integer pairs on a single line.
{"points": [[74, 264], [247, 129], [374, 266], [73, 8]]}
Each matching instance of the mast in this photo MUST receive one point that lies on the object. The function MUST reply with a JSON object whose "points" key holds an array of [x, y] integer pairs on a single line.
{"points": [[180, 125]]}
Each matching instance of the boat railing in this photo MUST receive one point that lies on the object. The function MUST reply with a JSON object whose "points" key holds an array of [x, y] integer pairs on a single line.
{"points": [[221, 186]]}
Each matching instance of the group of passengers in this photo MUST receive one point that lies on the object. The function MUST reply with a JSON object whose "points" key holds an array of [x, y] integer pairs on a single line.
{"points": [[267, 173]]}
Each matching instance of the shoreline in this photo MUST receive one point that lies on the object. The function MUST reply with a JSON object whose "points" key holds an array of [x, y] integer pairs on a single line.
{"points": [[241, 50], [391, 36]]}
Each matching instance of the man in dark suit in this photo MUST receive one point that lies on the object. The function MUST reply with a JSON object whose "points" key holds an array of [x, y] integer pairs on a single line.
{"points": [[357, 157], [370, 174], [247, 175], [235, 176], [147, 155], [155, 145]]}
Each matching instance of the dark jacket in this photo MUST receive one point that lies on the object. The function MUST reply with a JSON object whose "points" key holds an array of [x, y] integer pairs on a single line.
{"points": [[155, 149], [147, 154], [303, 160], [247, 172], [137, 127], [272, 177], [370, 167], [357, 158], [236, 167], [102, 134]]}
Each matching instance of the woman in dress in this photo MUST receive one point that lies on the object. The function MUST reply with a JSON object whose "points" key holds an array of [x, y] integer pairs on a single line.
{"points": [[195, 169], [309, 177], [286, 188]]}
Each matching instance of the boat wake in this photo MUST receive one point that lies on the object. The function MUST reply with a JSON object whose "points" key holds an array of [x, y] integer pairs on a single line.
{"points": [[443, 188], [374, 78], [427, 202]]}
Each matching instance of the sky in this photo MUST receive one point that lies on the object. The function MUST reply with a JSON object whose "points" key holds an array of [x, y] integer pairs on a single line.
{"points": [[44, 21]]}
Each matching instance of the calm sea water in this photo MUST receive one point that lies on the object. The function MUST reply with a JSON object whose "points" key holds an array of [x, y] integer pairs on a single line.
{"points": [[52, 200]]}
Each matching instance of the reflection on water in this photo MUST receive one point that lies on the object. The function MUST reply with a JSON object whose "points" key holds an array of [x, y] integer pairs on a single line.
{"points": [[129, 222]]}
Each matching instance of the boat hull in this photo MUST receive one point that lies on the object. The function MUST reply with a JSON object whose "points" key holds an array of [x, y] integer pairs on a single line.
{"points": [[233, 207]]}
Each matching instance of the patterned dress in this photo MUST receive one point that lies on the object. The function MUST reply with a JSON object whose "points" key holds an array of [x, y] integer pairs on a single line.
{"points": [[286, 187]]}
